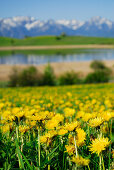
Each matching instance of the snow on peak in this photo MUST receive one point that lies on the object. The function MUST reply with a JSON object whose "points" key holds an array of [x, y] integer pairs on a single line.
{"points": [[74, 24], [34, 24], [9, 22], [22, 19], [16, 21], [34, 27], [63, 22], [31, 22], [99, 21]]}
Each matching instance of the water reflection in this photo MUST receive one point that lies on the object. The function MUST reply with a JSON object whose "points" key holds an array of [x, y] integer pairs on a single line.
{"points": [[93, 54]]}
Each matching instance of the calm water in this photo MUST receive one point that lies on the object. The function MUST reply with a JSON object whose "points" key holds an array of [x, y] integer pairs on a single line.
{"points": [[92, 54]]}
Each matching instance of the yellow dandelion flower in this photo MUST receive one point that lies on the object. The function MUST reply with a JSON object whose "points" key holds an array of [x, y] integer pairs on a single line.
{"points": [[35, 118], [107, 115], [51, 124], [95, 122], [2, 121], [71, 139], [32, 123], [93, 101], [23, 129], [70, 149], [5, 128], [62, 132], [80, 114], [80, 161], [99, 144], [44, 138], [104, 128], [81, 137], [52, 133], [47, 137], [20, 114], [2, 105], [6, 114], [87, 116], [71, 126], [58, 117], [69, 112], [15, 110]]}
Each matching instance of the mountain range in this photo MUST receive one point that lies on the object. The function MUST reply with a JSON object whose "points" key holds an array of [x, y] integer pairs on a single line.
{"points": [[19, 27]]}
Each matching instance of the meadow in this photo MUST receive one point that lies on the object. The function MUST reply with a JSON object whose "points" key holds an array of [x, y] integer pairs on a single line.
{"points": [[46, 52], [55, 40], [68, 127]]}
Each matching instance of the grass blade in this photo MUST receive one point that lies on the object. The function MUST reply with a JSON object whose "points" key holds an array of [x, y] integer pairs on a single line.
{"points": [[27, 162], [21, 163]]}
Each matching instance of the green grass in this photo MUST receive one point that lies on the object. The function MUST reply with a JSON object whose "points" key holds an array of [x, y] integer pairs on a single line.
{"points": [[4, 84], [52, 40], [46, 52], [27, 113]]}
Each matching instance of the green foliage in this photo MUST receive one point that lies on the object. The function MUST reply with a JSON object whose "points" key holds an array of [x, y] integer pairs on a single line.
{"points": [[48, 76], [63, 34], [98, 65], [101, 73], [12, 41], [8, 159], [26, 36], [97, 77], [58, 38], [31, 77], [69, 78], [14, 77], [28, 77]]}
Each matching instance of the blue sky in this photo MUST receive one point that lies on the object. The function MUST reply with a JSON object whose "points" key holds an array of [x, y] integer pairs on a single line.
{"points": [[58, 9]]}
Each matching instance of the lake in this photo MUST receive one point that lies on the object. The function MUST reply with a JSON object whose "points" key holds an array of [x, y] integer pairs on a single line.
{"points": [[37, 59]]}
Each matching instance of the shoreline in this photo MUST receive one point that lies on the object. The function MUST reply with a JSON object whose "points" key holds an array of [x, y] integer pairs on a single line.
{"points": [[49, 47], [81, 67]]}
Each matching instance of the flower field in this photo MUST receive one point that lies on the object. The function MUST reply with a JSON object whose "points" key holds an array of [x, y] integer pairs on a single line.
{"points": [[68, 127]]}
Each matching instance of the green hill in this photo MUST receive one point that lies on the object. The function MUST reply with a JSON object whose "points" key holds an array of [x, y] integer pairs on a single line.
{"points": [[55, 40]]}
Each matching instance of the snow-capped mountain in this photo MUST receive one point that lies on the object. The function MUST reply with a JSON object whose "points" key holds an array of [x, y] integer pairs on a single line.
{"points": [[19, 27]]}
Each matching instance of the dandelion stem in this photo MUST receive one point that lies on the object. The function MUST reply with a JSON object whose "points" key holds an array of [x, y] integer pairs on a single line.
{"points": [[39, 146], [75, 149], [88, 131], [48, 165], [47, 152], [100, 162], [75, 146], [17, 135], [88, 167], [110, 127], [103, 163], [22, 143]]}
